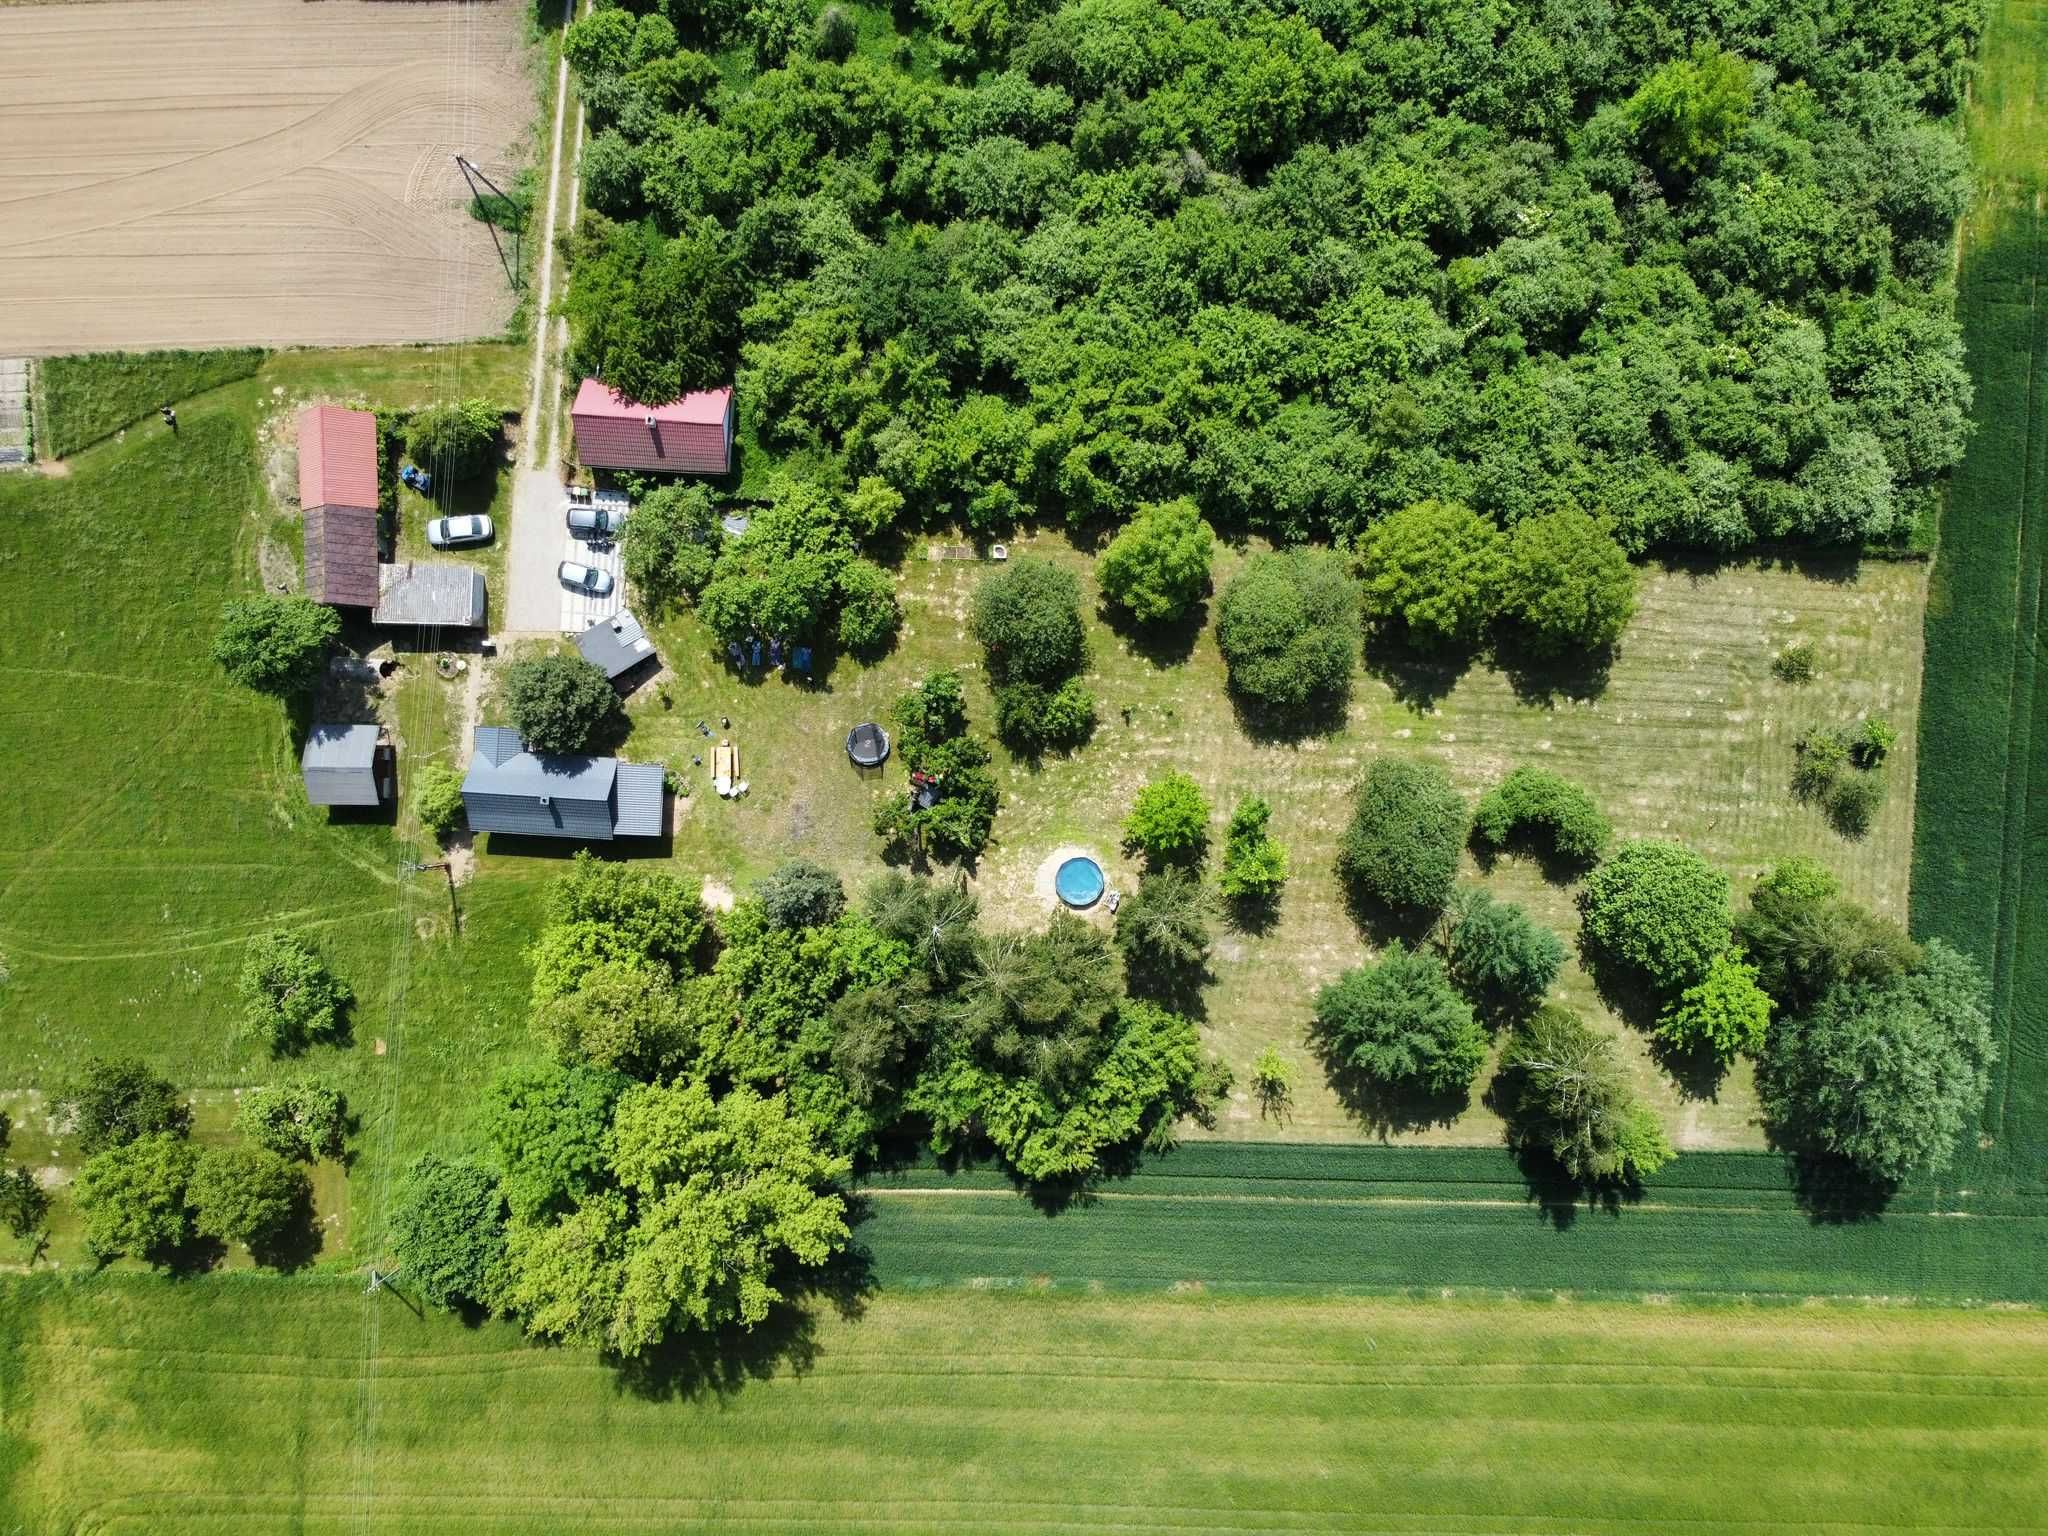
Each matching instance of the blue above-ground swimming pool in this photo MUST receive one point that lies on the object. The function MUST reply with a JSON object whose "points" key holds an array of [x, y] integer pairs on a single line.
{"points": [[1079, 882]]}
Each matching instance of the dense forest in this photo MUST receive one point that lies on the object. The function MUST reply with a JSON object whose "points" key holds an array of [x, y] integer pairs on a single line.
{"points": [[1681, 265]]}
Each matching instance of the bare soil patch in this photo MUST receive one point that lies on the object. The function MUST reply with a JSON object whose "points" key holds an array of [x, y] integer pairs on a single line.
{"points": [[182, 174]]}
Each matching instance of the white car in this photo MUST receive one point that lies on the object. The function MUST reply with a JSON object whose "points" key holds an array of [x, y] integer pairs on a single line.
{"points": [[447, 532], [585, 578]]}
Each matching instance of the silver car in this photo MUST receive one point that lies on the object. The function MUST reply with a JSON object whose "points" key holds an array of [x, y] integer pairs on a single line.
{"points": [[584, 578], [448, 532], [589, 521]]}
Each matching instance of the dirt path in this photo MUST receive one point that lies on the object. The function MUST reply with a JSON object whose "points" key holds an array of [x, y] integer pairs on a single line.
{"points": [[252, 171]]}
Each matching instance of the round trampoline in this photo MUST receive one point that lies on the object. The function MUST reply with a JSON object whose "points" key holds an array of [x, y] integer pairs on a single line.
{"points": [[1079, 882], [867, 744]]}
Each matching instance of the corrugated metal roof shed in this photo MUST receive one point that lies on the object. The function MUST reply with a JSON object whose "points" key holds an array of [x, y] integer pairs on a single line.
{"points": [[337, 457], [690, 436], [636, 800], [617, 644], [341, 556], [339, 764], [448, 595]]}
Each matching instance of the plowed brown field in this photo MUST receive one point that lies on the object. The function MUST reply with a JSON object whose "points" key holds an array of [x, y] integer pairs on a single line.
{"points": [[180, 174]]}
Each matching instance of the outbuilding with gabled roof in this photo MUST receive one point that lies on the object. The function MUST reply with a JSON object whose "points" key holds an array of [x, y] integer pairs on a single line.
{"points": [[550, 794]]}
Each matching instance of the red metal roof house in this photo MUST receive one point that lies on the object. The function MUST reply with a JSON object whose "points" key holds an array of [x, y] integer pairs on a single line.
{"points": [[690, 436], [338, 493]]}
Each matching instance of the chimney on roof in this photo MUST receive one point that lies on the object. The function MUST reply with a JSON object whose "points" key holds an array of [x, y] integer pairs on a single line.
{"points": [[650, 421]]}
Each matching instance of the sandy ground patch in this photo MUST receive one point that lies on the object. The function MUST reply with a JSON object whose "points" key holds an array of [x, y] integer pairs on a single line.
{"points": [[185, 174]]}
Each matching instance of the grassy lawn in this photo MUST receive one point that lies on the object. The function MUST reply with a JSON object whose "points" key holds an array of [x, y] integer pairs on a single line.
{"points": [[1691, 737], [138, 1406], [81, 400], [1983, 787]]}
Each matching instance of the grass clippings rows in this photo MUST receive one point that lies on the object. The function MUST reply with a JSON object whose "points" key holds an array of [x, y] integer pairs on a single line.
{"points": [[93, 395]]}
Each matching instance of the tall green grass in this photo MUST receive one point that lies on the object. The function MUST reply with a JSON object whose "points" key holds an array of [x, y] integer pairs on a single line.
{"points": [[1981, 827], [1298, 1218], [94, 395]]}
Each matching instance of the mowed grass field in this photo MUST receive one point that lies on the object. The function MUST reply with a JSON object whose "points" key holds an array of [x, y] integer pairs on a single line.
{"points": [[1690, 736], [138, 1406], [158, 819], [1982, 851]]}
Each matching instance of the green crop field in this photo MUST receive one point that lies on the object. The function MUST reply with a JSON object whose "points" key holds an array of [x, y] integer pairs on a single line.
{"points": [[141, 1406], [1982, 828]]}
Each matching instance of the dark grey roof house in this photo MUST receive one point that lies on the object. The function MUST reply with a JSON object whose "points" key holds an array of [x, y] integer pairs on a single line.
{"points": [[593, 799], [617, 644], [450, 596], [340, 765]]}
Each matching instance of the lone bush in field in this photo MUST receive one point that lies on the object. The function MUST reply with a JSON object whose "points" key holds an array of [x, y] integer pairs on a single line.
{"points": [[1027, 617], [1500, 959], [1887, 1074], [868, 615], [113, 1102], [560, 703], [1169, 820], [306, 1117], [1658, 909], [1157, 567], [437, 801], [1432, 573], [448, 1232], [289, 996], [1401, 849], [1569, 586], [1400, 1023], [1254, 862], [453, 437], [275, 645], [1563, 1089], [1724, 1012], [1288, 629], [1273, 1079], [248, 1195], [1547, 808], [1797, 663]]}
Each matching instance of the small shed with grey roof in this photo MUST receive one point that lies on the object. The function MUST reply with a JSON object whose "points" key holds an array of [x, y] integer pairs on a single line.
{"points": [[443, 596], [617, 645], [547, 794], [341, 765]]}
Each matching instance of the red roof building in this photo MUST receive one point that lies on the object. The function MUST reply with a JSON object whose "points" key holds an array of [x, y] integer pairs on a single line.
{"points": [[338, 493], [690, 436]]}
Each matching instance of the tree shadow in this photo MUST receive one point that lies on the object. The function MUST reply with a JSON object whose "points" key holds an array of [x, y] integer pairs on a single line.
{"points": [[695, 1365], [1281, 726], [1621, 989], [199, 1255], [1381, 1108], [1835, 1192], [1697, 1068], [1382, 923], [1545, 681], [1419, 679], [1166, 643], [1532, 845], [1176, 988], [295, 1245], [1256, 916]]}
